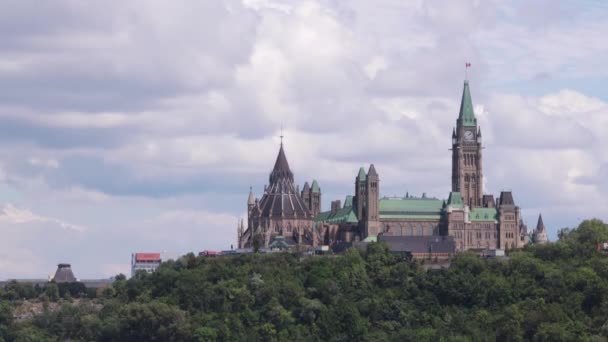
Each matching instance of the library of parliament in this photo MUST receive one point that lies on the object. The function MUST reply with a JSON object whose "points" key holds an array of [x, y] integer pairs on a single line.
{"points": [[473, 219]]}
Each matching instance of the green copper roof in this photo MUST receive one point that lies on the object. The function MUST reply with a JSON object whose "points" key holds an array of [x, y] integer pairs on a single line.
{"points": [[322, 216], [483, 214], [342, 215], [315, 187], [419, 208], [410, 216], [466, 107], [348, 202], [362, 174], [455, 200]]}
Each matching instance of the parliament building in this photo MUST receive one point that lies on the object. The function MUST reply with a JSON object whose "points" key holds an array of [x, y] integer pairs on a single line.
{"points": [[469, 217]]}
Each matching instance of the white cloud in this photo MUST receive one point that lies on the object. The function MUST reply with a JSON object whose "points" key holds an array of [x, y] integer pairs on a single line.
{"points": [[144, 121], [13, 215], [52, 163]]}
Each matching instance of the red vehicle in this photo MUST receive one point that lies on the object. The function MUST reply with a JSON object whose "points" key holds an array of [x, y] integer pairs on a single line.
{"points": [[208, 253]]}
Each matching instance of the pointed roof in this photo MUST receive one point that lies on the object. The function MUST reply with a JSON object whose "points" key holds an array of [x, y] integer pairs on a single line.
{"points": [[64, 274], [455, 200], [348, 201], [362, 175], [372, 171], [467, 116], [315, 187], [306, 187], [540, 226], [506, 198], [281, 198], [281, 168], [251, 199]]}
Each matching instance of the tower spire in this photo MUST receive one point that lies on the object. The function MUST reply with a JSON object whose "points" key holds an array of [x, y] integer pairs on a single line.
{"points": [[467, 115], [540, 226], [281, 167]]}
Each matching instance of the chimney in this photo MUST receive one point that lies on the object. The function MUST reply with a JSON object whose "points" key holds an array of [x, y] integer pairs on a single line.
{"points": [[335, 206]]}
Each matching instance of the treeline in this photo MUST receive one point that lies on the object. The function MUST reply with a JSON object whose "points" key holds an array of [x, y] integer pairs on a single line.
{"points": [[554, 292]]}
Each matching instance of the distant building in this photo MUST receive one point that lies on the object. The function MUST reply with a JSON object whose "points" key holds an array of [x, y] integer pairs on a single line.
{"points": [[540, 233], [282, 211], [472, 218], [148, 262], [64, 274], [421, 247]]}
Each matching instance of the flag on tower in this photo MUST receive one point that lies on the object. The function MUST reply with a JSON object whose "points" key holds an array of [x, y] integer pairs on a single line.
{"points": [[468, 65]]}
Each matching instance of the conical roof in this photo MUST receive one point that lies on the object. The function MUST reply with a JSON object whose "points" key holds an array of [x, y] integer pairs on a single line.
{"points": [[466, 115], [64, 274], [281, 168], [251, 198], [540, 226], [281, 198], [306, 187], [315, 186], [362, 175], [372, 171]]}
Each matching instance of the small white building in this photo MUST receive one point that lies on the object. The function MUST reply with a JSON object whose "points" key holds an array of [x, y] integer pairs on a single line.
{"points": [[148, 262]]}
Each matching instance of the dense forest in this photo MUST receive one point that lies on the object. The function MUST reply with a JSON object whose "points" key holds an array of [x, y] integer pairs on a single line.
{"points": [[553, 292]]}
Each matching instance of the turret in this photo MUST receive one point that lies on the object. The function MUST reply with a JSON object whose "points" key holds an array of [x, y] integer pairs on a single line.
{"points": [[509, 217], [359, 200], [372, 187], [315, 198], [540, 234], [250, 201], [306, 195]]}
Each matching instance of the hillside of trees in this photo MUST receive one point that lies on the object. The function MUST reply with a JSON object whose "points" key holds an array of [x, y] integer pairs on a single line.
{"points": [[554, 292]]}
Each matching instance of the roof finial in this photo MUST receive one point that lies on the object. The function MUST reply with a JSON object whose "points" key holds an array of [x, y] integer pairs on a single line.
{"points": [[467, 65], [281, 135]]}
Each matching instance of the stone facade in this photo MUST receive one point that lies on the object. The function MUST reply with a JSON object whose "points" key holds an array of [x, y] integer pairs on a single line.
{"points": [[473, 219]]}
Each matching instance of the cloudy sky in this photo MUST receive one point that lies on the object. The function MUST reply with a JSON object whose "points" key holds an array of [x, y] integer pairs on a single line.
{"points": [[140, 125]]}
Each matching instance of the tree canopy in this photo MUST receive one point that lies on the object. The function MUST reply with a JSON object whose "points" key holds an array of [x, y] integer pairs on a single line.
{"points": [[552, 292]]}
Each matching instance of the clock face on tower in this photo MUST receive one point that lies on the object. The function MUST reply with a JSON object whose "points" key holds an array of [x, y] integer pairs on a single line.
{"points": [[469, 136]]}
